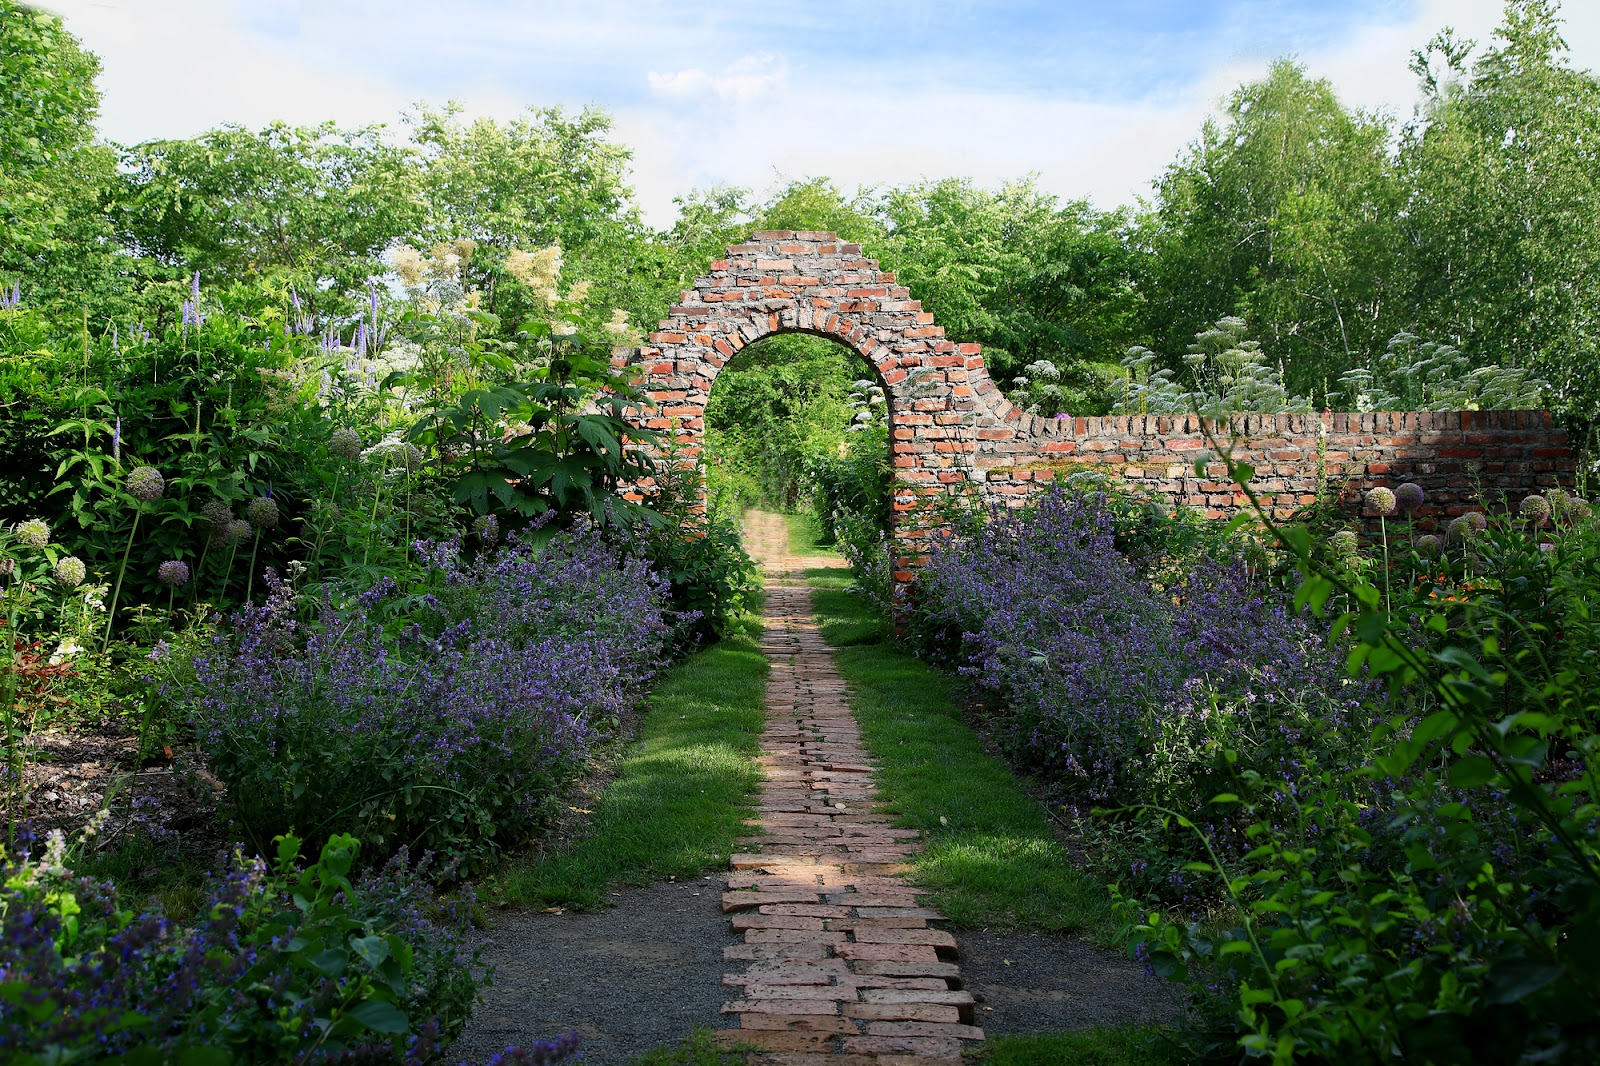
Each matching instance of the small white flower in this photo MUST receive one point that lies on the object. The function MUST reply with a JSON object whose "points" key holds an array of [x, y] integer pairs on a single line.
{"points": [[65, 650]]}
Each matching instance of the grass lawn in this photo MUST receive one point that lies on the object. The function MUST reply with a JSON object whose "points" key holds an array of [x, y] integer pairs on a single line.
{"points": [[681, 795], [992, 859], [805, 535]]}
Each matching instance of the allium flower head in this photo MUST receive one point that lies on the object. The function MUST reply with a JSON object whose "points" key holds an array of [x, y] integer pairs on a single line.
{"points": [[262, 513], [1381, 500], [1535, 509], [1579, 509], [1344, 542], [238, 529], [345, 443], [70, 571], [145, 484], [33, 532], [217, 515], [1409, 496], [1429, 546], [1465, 526], [488, 530], [172, 573]]}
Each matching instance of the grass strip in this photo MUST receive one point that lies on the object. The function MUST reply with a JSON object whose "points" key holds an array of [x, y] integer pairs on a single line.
{"points": [[680, 797], [1127, 1045], [701, 1048], [991, 858]]}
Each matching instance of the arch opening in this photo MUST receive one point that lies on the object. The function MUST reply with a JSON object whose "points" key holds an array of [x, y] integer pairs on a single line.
{"points": [[799, 423]]}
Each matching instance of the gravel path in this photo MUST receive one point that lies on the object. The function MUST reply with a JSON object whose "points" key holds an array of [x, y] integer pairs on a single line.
{"points": [[633, 977], [1041, 983]]}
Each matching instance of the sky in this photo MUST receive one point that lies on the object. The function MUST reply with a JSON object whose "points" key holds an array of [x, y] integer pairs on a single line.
{"points": [[1095, 97]]}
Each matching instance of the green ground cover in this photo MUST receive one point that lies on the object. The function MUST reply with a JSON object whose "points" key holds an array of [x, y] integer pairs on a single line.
{"points": [[680, 797], [805, 535]]}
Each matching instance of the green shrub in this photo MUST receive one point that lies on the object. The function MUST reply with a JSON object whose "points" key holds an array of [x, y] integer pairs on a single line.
{"points": [[284, 964]]}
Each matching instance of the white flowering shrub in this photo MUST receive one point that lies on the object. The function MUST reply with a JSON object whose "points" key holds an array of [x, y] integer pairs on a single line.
{"points": [[1416, 375]]}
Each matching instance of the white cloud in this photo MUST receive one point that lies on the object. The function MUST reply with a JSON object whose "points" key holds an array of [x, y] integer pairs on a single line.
{"points": [[176, 67], [746, 80]]}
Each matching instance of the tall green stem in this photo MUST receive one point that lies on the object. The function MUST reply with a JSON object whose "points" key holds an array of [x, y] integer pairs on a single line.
{"points": [[1383, 528], [122, 572], [372, 531], [250, 584]]}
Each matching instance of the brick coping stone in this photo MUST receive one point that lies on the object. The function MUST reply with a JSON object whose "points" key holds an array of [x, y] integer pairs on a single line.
{"points": [[841, 963]]}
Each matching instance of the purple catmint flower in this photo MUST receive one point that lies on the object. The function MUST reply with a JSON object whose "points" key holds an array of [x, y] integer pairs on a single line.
{"points": [[488, 530], [173, 573], [146, 484]]}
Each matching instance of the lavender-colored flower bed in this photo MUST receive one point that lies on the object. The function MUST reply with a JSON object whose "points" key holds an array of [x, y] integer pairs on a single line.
{"points": [[443, 715], [1117, 687]]}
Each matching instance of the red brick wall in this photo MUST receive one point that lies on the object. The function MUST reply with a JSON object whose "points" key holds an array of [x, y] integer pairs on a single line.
{"points": [[951, 428]]}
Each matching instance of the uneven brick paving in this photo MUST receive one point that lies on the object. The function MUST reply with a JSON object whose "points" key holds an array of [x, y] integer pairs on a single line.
{"points": [[840, 963]]}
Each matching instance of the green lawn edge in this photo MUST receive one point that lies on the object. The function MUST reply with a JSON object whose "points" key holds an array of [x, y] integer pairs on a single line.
{"points": [[682, 794]]}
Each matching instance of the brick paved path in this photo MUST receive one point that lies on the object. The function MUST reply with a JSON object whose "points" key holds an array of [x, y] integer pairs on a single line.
{"points": [[839, 965]]}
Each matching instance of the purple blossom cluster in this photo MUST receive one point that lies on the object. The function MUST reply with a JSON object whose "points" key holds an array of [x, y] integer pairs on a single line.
{"points": [[443, 716], [272, 959], [1118, 689]]}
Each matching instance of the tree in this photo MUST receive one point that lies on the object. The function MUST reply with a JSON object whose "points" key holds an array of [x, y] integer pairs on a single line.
{"points": [[541, 180], [1284, 213], [1503, 221], [53, 239], [313, 202], [1018, 271]]}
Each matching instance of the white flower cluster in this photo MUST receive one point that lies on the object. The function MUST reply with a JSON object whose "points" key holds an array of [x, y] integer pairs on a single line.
{"points": [[1230, 376], [1413, 375]]}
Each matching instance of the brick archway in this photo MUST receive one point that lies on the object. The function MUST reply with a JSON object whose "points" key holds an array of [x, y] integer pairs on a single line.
{"points": [[950, 426], [789, 281]]}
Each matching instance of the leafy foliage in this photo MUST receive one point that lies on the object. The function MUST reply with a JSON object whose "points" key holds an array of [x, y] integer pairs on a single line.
{"points": [[286, 965]]}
